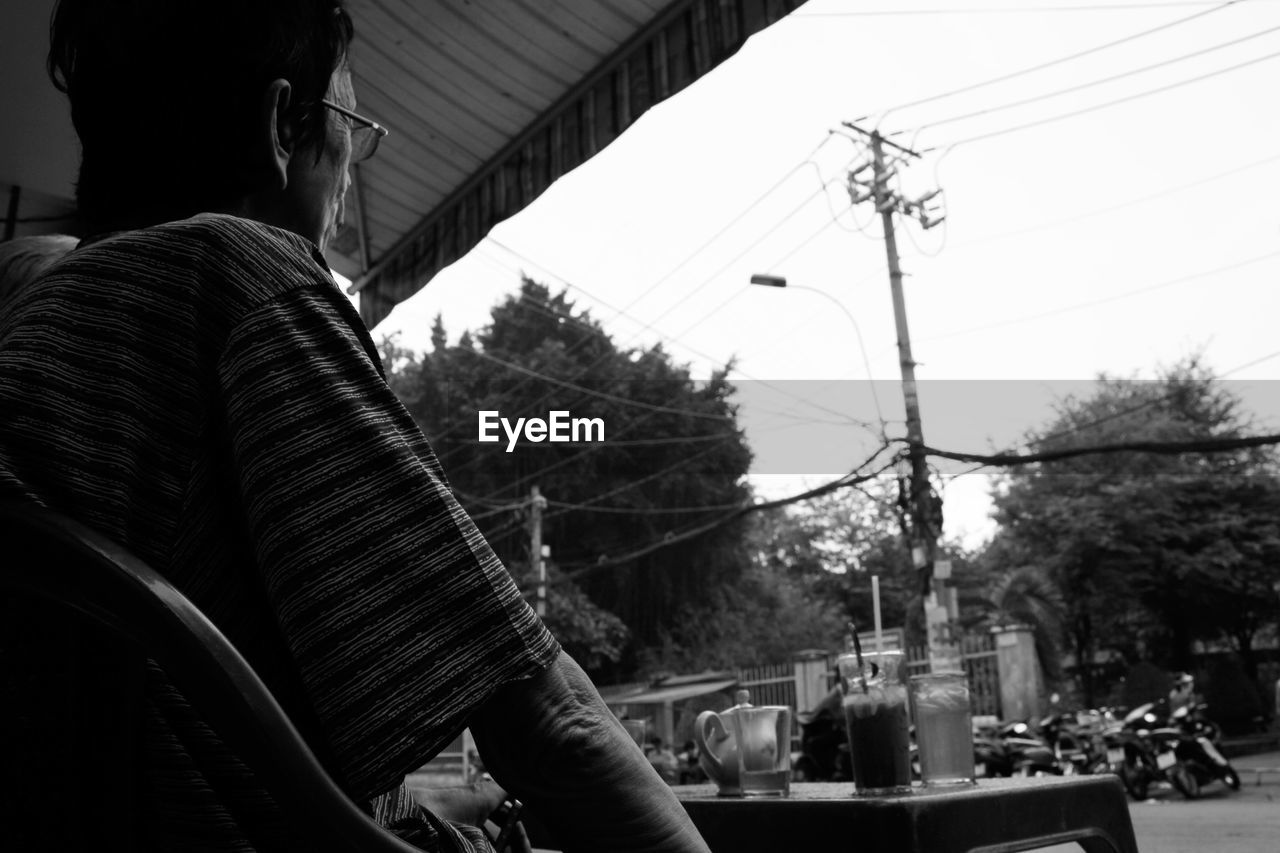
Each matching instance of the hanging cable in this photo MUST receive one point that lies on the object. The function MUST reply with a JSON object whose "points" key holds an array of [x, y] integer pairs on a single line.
{"points": [[1094, 108], [884, 114], [1090, 84]]}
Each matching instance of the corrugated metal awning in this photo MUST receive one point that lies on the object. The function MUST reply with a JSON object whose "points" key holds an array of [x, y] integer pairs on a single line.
{"points": [[489, 102]]}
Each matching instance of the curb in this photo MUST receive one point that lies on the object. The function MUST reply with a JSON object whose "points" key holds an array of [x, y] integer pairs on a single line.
{"points": [[1239, 747]]}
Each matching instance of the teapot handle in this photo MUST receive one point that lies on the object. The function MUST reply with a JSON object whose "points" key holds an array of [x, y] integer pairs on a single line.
{"points": [[706, 721]]}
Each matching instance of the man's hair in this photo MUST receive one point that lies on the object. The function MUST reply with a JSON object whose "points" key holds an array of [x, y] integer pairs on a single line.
{"points": [[166, 96]]}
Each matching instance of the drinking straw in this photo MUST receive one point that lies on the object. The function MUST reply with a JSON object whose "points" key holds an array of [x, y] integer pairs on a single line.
{"points": [[875, 605], [857, 650]]}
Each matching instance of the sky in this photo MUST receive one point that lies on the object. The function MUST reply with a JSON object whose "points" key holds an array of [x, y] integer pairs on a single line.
{"points": [[1108, 173]]}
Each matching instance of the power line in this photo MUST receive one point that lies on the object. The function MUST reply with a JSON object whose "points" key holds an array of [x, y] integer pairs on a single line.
{"points": [[586, 391], [1084, 110], [649, 326], [683, 462], [1211, 445], [1095, 302], [738, 292], [1099, 421], [633, 442], [675, 341], [637, 510], [808, 161], [1259, 360], [624, 401], [691, 291], [1090, 84], [1112, 208], [1049, 64], [672, 538], [989, 10]]}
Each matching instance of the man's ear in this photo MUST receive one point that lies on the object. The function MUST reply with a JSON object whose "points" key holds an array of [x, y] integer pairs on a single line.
{"points": [[278, 136]]}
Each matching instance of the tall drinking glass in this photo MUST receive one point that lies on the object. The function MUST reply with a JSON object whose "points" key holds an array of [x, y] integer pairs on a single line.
{"points": [[764, 750], [944, 727], [875, 713]]}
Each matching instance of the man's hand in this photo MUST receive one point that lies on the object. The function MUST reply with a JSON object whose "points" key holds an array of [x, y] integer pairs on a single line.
{"points": [[553, 742], [482, 804]]}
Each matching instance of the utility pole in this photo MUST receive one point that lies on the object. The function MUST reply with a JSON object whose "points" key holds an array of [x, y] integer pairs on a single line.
{"points": [[923, 506], [537, 503]]}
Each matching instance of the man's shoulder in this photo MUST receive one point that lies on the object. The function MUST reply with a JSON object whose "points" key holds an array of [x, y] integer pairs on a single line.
{"points": [[207, 237], [244, 260], [237, 235], [217, 265]]}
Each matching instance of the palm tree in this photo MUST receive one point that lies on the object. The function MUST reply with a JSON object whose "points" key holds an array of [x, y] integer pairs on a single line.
{"points": [[1027, 595]]}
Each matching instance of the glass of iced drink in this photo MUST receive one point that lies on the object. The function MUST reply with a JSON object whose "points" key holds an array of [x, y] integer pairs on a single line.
{"points": [[763, 734], [944, 728], [875, 713]]}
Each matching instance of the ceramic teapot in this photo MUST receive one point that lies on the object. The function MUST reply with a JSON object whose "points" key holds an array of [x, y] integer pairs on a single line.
{"points": [[717, 746]]}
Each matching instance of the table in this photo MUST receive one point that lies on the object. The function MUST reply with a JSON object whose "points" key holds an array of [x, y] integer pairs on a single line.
{"points": [[995, 816]]}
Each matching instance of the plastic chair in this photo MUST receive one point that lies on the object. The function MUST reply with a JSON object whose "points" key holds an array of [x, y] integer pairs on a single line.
{"points": [[52, 557]]}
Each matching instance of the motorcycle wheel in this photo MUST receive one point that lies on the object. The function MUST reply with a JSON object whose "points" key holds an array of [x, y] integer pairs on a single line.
{"points": [[1231, 779], [1185, 781], [1135, 780]]}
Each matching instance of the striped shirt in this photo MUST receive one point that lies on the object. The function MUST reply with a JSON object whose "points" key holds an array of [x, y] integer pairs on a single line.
{"points": [[203, 393]]}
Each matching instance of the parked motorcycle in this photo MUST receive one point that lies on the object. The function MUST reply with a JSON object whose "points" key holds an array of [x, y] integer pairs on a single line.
{"points": [[1078, 742], [824, 747], [1031, 755], [1184, 746], [1155, 752], [1012, 749], [991, 757], [1149, 758]]}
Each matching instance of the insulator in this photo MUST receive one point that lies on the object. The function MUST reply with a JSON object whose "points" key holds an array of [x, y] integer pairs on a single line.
{"points": [[862, 166], [928, 223], [887, 204], [926, 197], [888, 173]]}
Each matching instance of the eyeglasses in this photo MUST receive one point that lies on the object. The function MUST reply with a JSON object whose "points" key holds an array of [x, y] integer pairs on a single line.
{"points": [[365, 133]]}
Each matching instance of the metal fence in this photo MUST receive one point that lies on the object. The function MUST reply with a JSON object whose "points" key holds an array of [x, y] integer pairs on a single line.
{"points": [[979, 656], [770, 684], [774, 684]]}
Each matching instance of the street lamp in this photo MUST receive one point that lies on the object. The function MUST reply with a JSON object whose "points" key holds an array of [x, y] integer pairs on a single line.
{"points": [[781, 281], [944, 653]]}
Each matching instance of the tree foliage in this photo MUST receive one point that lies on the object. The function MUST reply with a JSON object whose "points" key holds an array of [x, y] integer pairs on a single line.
{"points": [[1151, 552], [672, 458], [835, 544]]}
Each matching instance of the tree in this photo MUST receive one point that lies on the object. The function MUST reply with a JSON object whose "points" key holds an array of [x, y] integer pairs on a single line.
{"points": [[671, 460], [766, 616], [834, 544], [1151, 551], [1025, 595]]}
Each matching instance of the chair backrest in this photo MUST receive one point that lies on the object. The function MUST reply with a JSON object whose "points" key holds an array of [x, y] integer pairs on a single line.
{"points": [[52, 557]]}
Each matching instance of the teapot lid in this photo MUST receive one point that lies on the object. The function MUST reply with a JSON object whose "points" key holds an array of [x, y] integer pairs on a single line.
{"points": [[742, 697]]}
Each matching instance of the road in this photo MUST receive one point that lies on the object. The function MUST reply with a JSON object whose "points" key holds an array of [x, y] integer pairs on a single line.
{"points": [[1220, 821]]}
